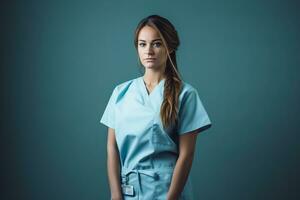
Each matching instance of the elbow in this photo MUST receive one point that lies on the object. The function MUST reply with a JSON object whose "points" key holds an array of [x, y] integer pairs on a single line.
{"points": [[112, 150], [187, 155]]}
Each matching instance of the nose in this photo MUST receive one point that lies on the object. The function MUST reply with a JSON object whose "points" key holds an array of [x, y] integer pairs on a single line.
{"points": [[149, 50]]}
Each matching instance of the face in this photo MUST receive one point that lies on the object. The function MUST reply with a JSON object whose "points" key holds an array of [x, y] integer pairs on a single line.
{"points": [[152, 53]]}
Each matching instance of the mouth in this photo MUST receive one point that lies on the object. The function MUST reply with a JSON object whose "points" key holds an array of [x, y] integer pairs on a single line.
{"points": [[150, 59]]}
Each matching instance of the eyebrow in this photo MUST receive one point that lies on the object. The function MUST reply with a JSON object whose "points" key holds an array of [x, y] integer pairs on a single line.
{"points": [[152, 40]]}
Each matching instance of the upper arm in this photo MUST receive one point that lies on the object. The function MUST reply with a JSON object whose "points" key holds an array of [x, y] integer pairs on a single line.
{"points": [[111, 139], [187, 143]]}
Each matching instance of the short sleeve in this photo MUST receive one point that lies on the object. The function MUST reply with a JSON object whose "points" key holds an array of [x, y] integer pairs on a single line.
{"points": [[108, 117], [192, 114]]}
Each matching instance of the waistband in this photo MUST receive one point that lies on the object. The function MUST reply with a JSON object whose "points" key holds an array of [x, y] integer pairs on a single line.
{"points": [[145, 170]]}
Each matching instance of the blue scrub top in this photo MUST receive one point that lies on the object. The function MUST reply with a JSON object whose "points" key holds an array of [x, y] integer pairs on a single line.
{"points": [[140, 137]]}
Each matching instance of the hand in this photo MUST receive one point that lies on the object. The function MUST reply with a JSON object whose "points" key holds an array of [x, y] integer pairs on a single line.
{"points": [[116, 198]]}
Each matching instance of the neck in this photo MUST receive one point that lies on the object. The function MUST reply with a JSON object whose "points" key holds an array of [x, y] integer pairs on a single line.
{"points": [[153, 79]]}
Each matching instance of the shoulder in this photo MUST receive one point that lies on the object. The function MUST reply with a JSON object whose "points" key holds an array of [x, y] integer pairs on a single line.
{"points": [[187, 89], [189, 95], [122, 87]]}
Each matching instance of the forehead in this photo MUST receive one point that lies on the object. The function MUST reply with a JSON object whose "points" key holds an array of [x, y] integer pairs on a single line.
{"points": [[148, 33]]}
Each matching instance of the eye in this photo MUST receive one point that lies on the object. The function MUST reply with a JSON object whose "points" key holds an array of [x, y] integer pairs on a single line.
{"points": [[157, 44], [141, 44]]}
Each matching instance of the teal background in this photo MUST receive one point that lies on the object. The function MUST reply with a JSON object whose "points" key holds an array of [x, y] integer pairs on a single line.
{"points": [[61, 60]]}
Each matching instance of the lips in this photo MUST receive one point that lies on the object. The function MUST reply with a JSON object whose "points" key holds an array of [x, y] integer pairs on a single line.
{"points": [[150, 59]]}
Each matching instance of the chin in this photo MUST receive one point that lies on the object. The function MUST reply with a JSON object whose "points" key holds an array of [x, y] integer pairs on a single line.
{"points": [[149, 65]]}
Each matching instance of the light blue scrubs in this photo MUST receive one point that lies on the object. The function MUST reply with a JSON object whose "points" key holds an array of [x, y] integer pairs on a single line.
{"points": [[148, 153]]}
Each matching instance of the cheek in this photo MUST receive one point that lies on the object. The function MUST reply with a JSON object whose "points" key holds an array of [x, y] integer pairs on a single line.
{"points": [[162, 55], [140, 53]]}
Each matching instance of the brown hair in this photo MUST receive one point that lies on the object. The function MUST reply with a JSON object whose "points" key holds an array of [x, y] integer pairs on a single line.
{"points": [[173, 82]]}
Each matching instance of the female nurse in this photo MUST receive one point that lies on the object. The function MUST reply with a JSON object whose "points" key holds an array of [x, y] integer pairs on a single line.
{"points": [[153, 121]]}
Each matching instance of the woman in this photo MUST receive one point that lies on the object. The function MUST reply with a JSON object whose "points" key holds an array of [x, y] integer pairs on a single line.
{"points": [[153, 121]]}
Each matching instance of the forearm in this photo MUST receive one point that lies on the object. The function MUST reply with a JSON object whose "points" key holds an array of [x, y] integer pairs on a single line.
{"points": [[113, 167], [180, 175]]}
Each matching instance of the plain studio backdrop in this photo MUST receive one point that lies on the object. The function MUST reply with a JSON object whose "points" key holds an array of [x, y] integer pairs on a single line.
{"points": [[60, 61]]}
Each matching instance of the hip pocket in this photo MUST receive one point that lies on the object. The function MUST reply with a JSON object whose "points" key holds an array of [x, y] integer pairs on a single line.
{"points": [[162, 185]]}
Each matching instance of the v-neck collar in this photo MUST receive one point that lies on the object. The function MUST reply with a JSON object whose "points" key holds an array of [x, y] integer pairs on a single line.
{"points": [[154, 89]]}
